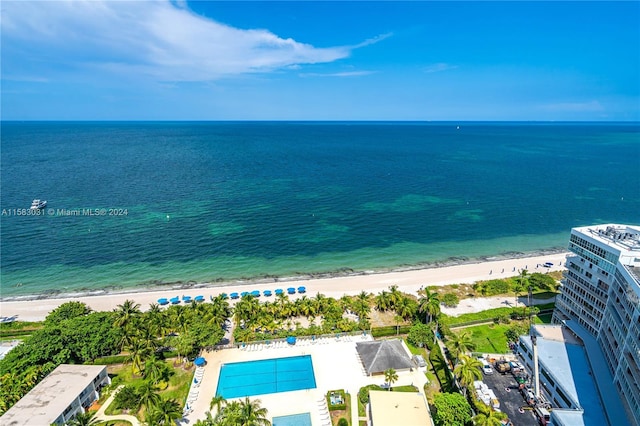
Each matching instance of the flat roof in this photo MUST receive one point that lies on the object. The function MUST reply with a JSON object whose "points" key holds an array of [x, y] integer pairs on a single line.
{"points": [[43, 404], [566, 362], [398, 408], [623, 237]]}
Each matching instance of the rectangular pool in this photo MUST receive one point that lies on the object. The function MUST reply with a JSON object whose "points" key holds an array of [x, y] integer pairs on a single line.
{"points": [[303, 419], [240, 379]]}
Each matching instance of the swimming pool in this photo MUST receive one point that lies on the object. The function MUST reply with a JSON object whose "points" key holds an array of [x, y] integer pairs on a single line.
{"points": [[239, 379], [303, 419]]}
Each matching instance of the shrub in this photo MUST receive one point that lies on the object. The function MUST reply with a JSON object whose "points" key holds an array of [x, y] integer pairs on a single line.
{"points": [[514, 332], [502, 319], [127, 398], [363, 393], [420, 335], [390, 330], [343, 422], [450, 300]]}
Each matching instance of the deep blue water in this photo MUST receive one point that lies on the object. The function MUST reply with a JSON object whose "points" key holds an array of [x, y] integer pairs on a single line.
{"points": [[224, 201]]}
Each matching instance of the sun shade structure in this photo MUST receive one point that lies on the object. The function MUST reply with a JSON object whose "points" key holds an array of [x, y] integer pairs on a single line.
{"points": [[382, 355]]}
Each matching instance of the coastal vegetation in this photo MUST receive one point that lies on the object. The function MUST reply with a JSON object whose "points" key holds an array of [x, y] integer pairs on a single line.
{"points": [[152, 350], [245, 412]]}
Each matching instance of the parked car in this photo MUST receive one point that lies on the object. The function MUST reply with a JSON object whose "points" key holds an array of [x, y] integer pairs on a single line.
{"points": [[486, 369], [419, 360]]}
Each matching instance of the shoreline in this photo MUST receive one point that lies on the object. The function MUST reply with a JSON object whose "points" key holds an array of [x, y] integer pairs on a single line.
{"points": [[151, 286], [409, 280]]}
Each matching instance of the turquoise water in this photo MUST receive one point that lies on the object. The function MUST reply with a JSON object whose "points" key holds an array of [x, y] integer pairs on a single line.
{"points": [[210, 202], [303, 419], [240, 379]]}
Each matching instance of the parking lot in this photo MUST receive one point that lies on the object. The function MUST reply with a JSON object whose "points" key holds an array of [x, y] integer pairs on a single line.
{"points": [[510, 400]]}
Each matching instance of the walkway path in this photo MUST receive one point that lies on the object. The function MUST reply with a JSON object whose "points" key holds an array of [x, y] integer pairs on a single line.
{"points": [[100, 415]]}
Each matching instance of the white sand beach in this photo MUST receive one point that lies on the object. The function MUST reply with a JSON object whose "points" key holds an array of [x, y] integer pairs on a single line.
{"points": [[407, 281]]}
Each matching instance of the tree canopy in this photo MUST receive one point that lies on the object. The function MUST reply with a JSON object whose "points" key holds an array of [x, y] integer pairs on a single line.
{"points": [[451, 409]]}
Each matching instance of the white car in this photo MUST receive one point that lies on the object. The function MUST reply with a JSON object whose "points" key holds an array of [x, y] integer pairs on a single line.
{"points": [[486, 369]]}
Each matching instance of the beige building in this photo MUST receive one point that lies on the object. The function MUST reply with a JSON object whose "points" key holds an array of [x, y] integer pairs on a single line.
{"points": [[66, 391], [398, 408]]}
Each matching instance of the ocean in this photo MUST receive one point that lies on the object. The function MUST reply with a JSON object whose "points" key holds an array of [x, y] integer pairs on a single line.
{"points": [[145, 204]]}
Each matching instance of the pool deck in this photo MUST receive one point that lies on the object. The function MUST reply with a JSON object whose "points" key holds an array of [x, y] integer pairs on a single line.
{"points": [[336, 366]]}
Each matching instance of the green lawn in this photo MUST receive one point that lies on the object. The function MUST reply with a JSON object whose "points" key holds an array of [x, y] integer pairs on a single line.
{"points": [[177, 388], [544, 295], [543, 318], [489, 338]]}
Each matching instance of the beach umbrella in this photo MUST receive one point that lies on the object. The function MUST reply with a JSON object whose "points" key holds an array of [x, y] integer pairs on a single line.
{"points": [[291, 340], [234, 295], [255, 293], [224, 295], [199, 298], [301, 289], [244, 293], [291, 290], [199, 361], [279, 291], [186, 299], [163, 301], [267, 293], [175, 300]]}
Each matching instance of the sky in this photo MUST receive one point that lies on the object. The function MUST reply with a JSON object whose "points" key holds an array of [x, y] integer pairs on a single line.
{"points": [[304, 60]]}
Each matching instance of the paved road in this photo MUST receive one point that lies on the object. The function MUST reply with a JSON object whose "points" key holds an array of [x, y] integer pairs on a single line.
{"points": [[511, 400]]}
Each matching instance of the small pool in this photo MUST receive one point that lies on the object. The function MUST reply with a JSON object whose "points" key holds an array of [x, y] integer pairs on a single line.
{"points": [[303, 419], [240, 379]]}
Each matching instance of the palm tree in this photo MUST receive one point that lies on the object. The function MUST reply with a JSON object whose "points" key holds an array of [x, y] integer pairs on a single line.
{"points": [[126, 312], [467, 371], [252, 414], [429, 304], [155, 371], [382, 301], [166, 412], [390, 377], [394, 296], [521, 284], [406, 307], [87, 418], [217, 402], [149, 397], [488, 417], [461, 343], [138, 353]]}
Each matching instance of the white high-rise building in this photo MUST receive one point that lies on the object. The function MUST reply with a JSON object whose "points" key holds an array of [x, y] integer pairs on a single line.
{"points": [[600, 296]]}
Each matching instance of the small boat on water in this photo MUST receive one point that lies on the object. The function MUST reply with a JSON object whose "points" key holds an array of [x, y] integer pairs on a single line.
{"points": [[38, 204]]}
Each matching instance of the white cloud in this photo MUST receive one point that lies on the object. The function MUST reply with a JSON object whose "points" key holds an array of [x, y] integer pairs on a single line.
{"points": [[439, 67], [337, 74], [162, 40]]}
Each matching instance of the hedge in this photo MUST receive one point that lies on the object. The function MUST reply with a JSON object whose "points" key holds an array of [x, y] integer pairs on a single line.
{"points": [[390, 330]]}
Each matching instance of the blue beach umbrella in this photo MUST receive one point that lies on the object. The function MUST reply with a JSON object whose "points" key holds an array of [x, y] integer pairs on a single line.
{"points": [[267, 293], [163, 301], [186, 299], [302, 289], [175, 300], [255, 293], [244, 293], [199, 298], [199, 361], [291, 340], [291, 290], [224, 295], [234, 295], [279, 291]]}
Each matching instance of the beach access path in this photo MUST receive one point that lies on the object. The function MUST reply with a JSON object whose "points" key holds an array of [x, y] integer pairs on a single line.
{"points": [[410, 281]]}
